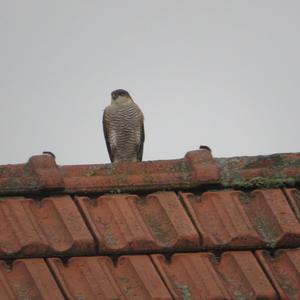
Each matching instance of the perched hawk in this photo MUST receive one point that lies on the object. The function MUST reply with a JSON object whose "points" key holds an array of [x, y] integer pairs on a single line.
{"points": [[123, 125]]}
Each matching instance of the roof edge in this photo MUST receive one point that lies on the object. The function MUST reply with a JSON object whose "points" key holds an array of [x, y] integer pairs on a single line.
{"points": [[197, 169]]}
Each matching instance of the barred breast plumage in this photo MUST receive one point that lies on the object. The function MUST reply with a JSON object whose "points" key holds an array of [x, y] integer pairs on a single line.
{"points": [[123, 128]]}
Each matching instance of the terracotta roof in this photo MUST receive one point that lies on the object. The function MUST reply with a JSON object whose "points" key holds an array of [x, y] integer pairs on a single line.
{"points": [[193, 228]]}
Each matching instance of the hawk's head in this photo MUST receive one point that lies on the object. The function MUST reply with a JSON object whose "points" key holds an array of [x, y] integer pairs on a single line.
{"points": [[119, 93]]}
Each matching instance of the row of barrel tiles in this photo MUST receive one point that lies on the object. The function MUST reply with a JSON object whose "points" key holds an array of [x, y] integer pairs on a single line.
{"points": [[158, 222], [234, 275]]}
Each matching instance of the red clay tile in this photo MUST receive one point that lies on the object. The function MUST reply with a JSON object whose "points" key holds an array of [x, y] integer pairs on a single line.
{"points": [[39, 174], [134, 277], [16, 179], [191, 276], [53, 226], [243, 276], [129, 223], [200, 276], [203, 166], [221, 220], [257, 171], [293, 196], [198, 167], [28, 279], [232, 219], [125, 176], [47, 172], [273, 218], [283, 270]]}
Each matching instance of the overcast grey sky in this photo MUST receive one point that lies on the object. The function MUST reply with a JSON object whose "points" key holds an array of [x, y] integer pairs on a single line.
{"points": [[220, 73]]}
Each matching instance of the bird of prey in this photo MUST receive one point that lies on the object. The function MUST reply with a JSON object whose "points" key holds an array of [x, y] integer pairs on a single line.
{"points": [[123, 126]]}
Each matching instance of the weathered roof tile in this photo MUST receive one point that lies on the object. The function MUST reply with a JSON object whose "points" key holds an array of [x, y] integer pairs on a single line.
{"points": [[243, 276], [283, 269], [201, 276], [47, 172], [233, 219], [131, 223], [28, 279], [293, 196], [191, 275], [273, 218], [262, 171], [76, 219], [53, 226], [221, 220], [197, 169], [133, 277]]}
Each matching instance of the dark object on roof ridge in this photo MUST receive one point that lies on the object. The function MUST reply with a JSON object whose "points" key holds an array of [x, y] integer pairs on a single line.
{"points": [[204, 147], [49, 153]]}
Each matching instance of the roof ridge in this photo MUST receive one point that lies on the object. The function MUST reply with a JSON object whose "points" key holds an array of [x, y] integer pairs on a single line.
{"points": [[197, 169]]}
